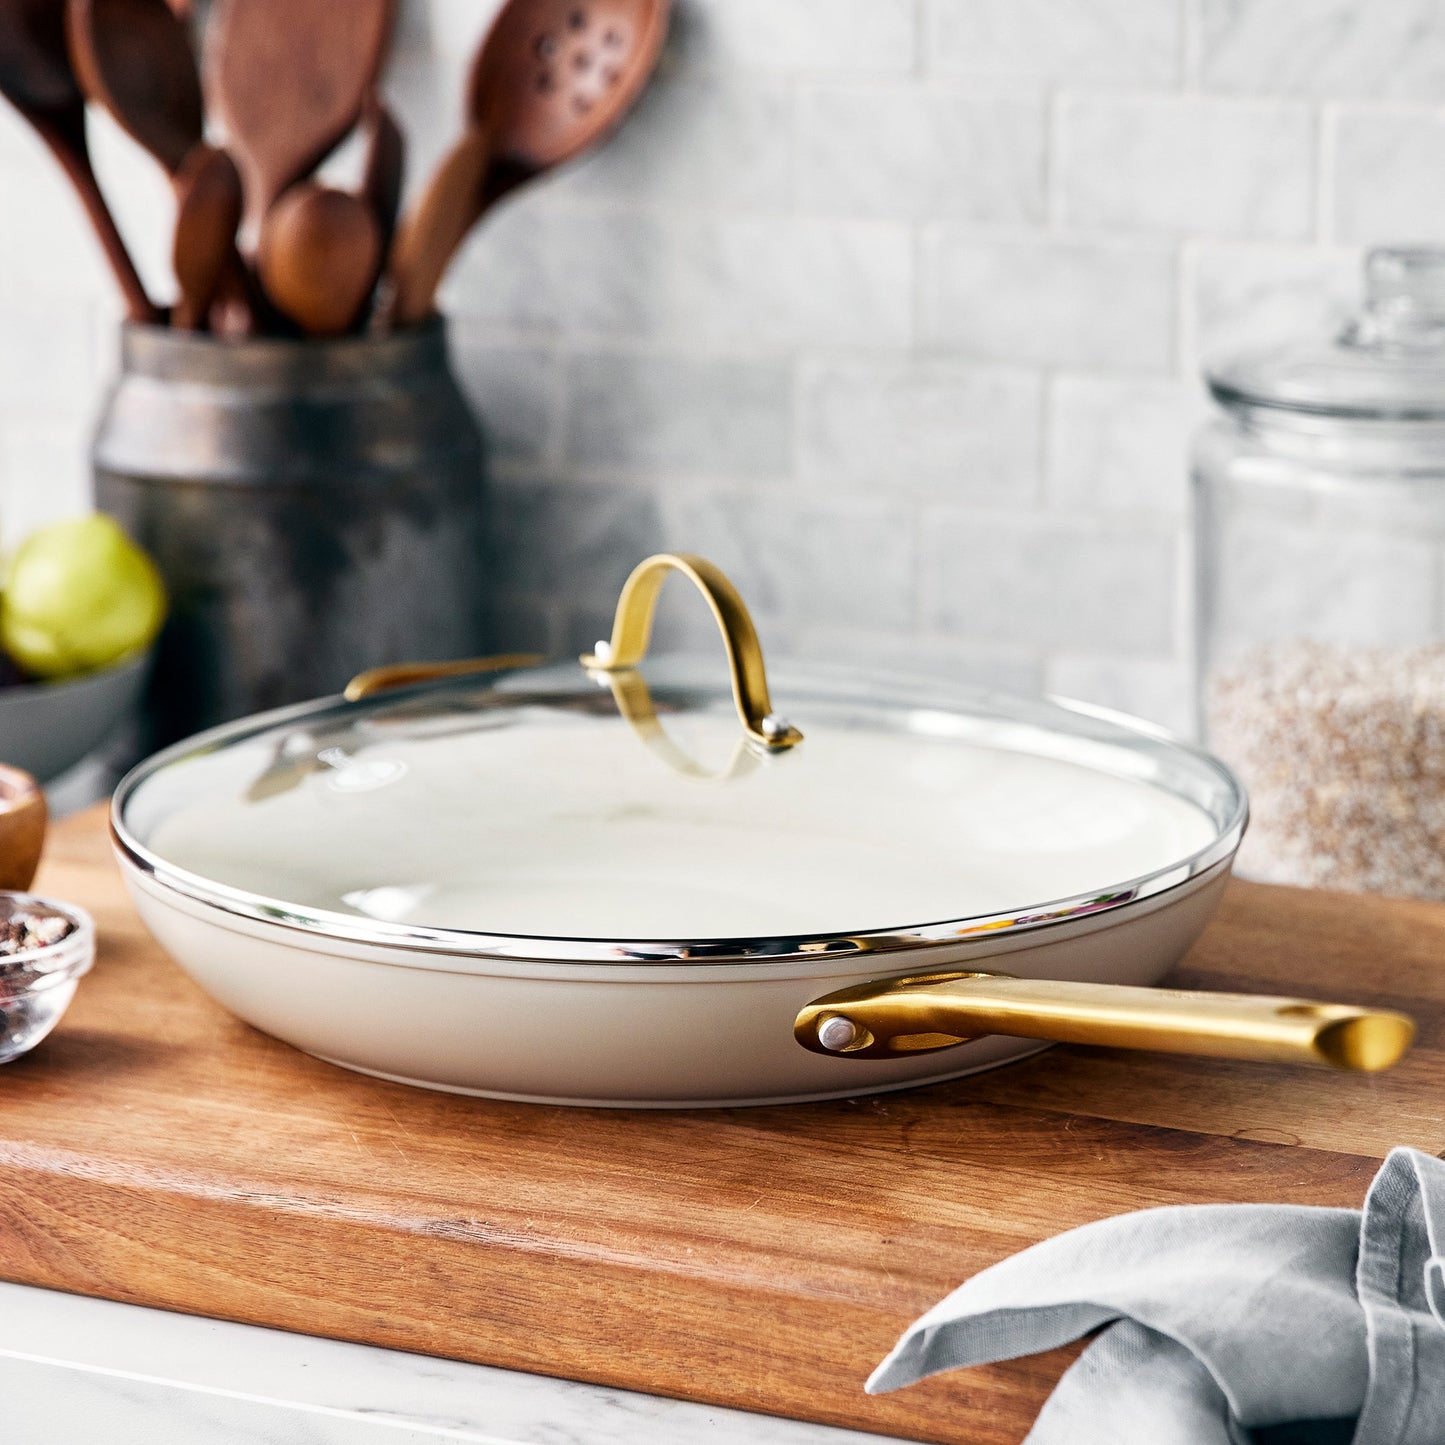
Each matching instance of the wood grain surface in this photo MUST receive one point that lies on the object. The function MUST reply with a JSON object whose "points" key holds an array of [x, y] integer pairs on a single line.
{"points": [[158, 1151]]}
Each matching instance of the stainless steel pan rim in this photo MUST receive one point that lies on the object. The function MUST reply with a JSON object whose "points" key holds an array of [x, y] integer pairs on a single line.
{"points": [[708, 952]]}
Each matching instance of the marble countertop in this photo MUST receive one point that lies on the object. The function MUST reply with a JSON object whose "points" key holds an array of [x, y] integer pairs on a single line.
{"points": [[73, 1368]]}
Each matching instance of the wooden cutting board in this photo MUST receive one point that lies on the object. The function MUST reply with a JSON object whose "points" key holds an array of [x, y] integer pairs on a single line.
{"points": [[158, 1151]]}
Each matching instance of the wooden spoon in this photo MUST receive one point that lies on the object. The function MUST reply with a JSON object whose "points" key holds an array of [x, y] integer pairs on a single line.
{"points": [[36, 77], [551, 78], [319, 257], [208, 211], [554, 76], [436, 225], [382, 172], [289, 79], [134, 58]]}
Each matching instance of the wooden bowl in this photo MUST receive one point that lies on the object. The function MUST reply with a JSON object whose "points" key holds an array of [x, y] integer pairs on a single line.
{"points": [[23, 816]]}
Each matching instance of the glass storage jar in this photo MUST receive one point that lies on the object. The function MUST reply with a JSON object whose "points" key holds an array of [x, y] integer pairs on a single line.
{"points": [[1320, 527]]}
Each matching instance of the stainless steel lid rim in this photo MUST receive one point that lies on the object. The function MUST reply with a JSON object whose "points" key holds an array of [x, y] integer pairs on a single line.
{"points": [[912, 948], [1229, 812]]}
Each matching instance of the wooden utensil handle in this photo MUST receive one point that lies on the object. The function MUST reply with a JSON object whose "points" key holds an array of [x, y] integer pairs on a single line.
{"points": [[436, 225], [75, 161]]}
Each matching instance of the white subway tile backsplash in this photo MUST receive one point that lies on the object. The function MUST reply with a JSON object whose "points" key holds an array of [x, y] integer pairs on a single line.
{"points": [[692, 279], [455, 27], [1049, 302], [679, 415], [535, 268], [1120, 444], [514, 391], [790, 281], [44, 472], [556, 541], [1051, 582], [921, 427], [797, 35], [921, 153], [943, 659], [1080, 41], [1165, 163], [894, 306], [140, 197], [708, 140], [1160, 692], [48, 364], [840, 562], [1241, 297], [1387, 176], [1391, 49], [47, 248]]}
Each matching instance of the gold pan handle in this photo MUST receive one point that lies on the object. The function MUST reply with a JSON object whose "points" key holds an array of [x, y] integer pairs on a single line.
{"points": [[939, 1011]]}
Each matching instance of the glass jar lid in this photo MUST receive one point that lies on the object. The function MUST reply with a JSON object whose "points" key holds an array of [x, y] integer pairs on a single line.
{"points": [[1388, 364], [584, 813]]}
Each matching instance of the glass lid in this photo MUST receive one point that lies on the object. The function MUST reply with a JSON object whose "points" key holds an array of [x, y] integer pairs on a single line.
{"points": [[1387, 365], [622, 806]]}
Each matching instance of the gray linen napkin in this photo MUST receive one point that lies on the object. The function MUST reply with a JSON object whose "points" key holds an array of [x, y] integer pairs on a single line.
{"points": [[1224, 1324]]}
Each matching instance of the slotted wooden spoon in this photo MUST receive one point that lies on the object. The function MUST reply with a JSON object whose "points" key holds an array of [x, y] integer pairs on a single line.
{"points": [[37, 79], [289, 79], [551, 78]]}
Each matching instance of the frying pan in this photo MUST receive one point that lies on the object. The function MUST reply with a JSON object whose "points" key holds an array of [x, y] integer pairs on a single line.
{"points": [[593, 885]]}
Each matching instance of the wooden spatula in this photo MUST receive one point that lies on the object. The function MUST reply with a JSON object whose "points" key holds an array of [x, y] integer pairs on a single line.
{"points": [[37, 79], [289, 79]]}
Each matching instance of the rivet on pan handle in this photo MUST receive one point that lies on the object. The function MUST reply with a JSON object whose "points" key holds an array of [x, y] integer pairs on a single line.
{"points": [[928, 1012], [632, 632]]}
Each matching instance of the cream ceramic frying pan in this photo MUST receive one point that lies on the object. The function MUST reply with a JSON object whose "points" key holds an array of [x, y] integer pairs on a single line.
{"points": [[569, 884]]}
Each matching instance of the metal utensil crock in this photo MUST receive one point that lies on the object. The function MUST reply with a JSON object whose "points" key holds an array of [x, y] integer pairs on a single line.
{"points": [[316, 508]]}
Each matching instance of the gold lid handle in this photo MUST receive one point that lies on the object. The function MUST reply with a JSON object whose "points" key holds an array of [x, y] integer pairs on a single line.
{"points": [[632, 632], [939, 1011], [409, 674]]}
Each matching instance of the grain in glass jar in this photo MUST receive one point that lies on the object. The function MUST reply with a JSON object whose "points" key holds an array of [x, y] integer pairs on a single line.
{"points": [[1320, 527]]}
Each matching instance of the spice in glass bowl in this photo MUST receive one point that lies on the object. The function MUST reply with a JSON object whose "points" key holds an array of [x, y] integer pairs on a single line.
{"points": [[45, 948]]}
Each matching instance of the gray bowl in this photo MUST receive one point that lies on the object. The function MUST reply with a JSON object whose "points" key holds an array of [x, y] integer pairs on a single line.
{"points": [[47, 727]]}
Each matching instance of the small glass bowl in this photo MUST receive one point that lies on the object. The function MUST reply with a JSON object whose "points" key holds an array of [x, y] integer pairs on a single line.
{"points": [[36, 986]]}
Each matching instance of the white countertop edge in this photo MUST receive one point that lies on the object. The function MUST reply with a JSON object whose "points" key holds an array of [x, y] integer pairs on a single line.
{"points": [[148, 1360]]}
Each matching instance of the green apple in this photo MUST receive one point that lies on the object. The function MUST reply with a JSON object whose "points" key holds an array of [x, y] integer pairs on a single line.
{"points": [[79, 595]]}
